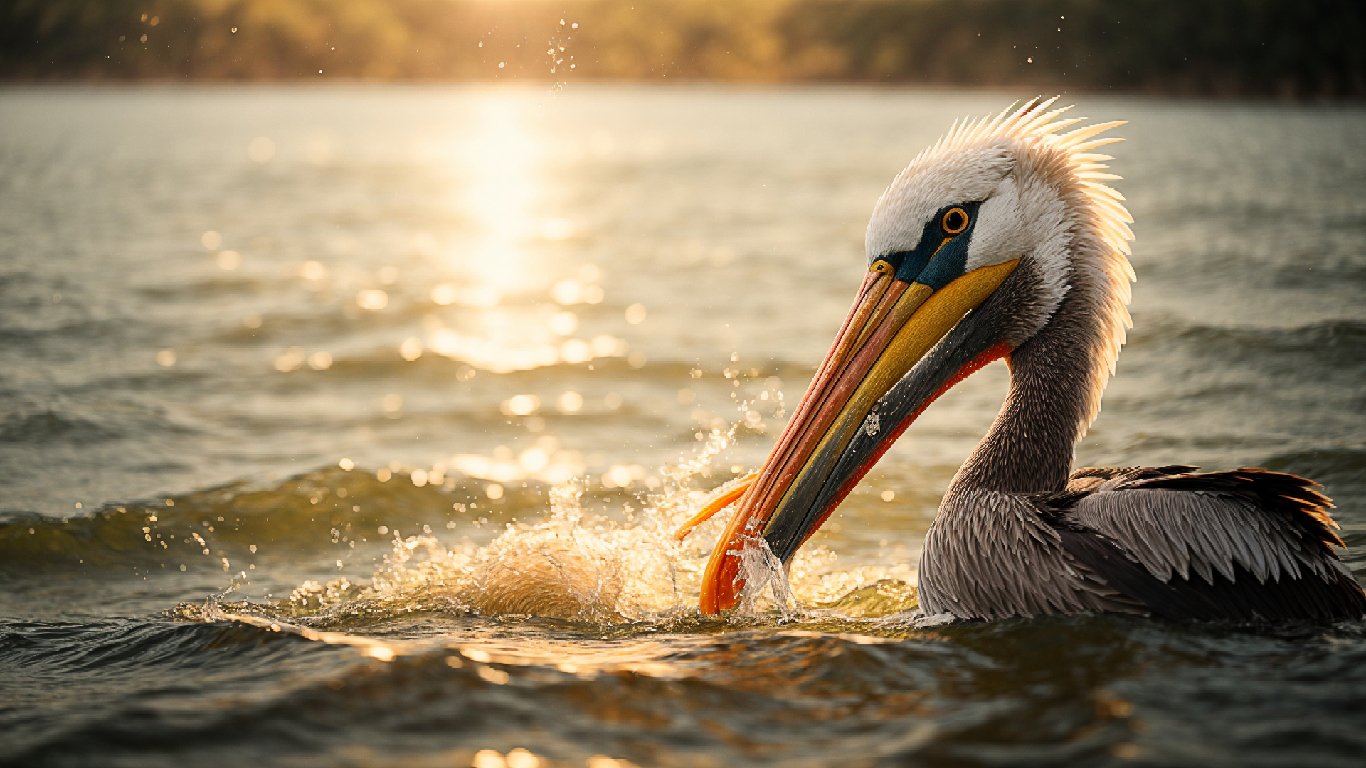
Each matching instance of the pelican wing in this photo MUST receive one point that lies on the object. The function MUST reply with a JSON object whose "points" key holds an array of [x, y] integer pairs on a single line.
{"points": [[1246, 544]]}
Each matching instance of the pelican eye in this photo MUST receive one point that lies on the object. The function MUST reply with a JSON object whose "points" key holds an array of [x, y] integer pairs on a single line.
{"points": [[955, 221], [881, 266]]}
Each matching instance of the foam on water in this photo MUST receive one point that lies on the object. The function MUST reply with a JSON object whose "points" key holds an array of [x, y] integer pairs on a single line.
{"points": [[584, 564], [568, 564]]}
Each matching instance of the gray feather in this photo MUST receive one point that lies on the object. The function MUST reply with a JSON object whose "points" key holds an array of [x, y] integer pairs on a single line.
{"points": [[1245, 545]]}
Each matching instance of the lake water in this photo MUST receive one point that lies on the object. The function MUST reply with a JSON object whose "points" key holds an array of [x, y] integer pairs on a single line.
{"points": [[291, 377]]}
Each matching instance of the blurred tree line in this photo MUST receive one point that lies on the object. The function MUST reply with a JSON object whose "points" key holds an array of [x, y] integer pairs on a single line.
{"points": [[1277, 47]]}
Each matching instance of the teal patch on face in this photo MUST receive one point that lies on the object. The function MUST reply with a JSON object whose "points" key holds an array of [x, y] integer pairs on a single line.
{"points": [[942, 253]]}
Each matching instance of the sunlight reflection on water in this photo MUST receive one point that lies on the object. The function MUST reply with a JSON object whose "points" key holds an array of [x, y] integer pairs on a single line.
{"points": [[274, 336], [500, 174]]}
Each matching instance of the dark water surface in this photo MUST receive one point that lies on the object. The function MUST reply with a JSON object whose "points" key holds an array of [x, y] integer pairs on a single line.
{"points": [[297, 384]]}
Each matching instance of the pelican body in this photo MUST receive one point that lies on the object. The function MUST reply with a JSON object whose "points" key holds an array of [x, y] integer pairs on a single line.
{"points": [[1004, 241]]}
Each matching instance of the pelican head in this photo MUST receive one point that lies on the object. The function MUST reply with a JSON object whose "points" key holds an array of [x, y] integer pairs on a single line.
{"points": [[972, 250]]}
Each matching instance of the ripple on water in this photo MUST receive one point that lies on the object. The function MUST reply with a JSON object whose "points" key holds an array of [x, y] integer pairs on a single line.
{"points": [[443, 542], [421, 686]]}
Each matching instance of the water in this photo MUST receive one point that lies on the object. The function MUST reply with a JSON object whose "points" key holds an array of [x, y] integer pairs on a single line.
{"points": [[349, 427]]}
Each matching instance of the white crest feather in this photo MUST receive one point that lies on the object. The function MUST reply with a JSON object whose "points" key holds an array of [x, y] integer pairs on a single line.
{"points": [[1037, 145]]}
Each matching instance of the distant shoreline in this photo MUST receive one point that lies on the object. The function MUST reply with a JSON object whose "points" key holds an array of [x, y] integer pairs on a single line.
{"points": [[1309, 50], [527, 84]]}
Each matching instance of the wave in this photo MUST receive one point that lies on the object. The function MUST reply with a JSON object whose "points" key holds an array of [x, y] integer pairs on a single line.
{"points": [[131, 644], [295, 692], [1343, 466], [59, 331], [438, 688], [407, 544], [81, 422], [50, 426], [309, 514], [1340, 341], [385, 362]]}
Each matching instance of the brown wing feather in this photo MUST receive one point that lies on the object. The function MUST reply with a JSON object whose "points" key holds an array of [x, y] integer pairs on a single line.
{"points": [[1242, 545]]}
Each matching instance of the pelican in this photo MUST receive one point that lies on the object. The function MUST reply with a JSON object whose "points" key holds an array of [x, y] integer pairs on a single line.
{"points": [[1004, 241]]}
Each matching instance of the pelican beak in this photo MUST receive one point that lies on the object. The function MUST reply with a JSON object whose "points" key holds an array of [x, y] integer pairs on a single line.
{"points": [[839, 431]]}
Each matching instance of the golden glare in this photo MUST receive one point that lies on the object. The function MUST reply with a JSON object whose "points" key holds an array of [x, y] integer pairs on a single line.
{"points": [[500, 170], [488, 758], [491, 675], [372, 299], [502, 267], [521, 405]]}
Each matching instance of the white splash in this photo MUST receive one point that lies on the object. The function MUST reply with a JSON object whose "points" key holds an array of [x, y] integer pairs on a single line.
{"points": [[872, 425], [766, 582], [579, 563]]}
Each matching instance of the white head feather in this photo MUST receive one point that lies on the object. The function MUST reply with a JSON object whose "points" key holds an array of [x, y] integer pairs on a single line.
{"points": [[1044, 201]]}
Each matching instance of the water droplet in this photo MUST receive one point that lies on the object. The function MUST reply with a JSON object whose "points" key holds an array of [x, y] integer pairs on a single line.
{"points": [[567, 291], [443, 294], [410, 349], [229, 260], [519, 757], [488, 758], [372, 299], [872, 425], [570, 402], [520, 405], [290, 360], [563, 323]]}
